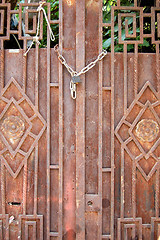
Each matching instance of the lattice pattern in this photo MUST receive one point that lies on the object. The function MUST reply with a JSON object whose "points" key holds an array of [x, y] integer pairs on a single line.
{"points": [[35, 223], [141, 142], [129, 228], [26, 29], [21, 126]]}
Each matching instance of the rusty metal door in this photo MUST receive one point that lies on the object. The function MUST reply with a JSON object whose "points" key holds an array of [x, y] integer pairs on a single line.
{"points": [[85, 168], [30, 133]]}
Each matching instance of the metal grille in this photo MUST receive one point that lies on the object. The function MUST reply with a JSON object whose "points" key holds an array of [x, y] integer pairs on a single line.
{"points": [[31, 130], [89, 168], [130, 162]]}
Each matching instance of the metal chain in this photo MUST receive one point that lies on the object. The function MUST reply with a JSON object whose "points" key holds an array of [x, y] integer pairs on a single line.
{"points": [[75, 73], [83, 70]]}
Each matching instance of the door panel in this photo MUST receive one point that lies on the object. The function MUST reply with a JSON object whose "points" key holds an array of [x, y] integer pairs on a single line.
{"points": [[23, 146], [85, 168]]}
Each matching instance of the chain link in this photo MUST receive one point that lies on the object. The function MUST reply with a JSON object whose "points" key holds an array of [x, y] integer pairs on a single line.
{"points": [[75, 73], [83, 70], [73, 90]]}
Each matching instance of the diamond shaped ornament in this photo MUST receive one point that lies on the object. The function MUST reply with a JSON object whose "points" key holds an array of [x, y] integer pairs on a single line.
{"points": [[21, 127]]}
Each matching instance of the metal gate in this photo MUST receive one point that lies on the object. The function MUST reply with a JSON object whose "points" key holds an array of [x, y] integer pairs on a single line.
{"points": [[85, 168]]}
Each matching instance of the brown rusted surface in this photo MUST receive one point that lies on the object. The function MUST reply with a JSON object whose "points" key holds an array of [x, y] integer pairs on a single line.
{"points": [[136, 149], [85, 168]]}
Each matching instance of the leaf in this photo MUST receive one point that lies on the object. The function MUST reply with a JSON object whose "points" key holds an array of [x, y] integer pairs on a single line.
{"points": [[123, 34], [107, 43]]}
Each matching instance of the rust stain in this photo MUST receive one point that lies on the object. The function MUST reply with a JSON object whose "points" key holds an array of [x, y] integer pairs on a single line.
{"points": [[94, 4], [70, 2]]}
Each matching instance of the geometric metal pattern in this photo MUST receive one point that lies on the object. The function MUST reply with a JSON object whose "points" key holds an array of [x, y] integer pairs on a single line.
{"points": [[30, 226], [81, 160], [138, 131], [129, 228], [21, 127]]}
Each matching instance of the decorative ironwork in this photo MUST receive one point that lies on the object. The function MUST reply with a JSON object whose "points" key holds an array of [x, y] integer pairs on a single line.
{"points": [[147, 130], [13, 127], [117, 170], [21, 131], [140, 132]]}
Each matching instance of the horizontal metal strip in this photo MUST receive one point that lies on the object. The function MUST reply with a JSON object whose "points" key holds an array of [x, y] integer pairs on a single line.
{"points": [[55, 167], [53, 234], [54, 84], [106, 88], [106, 236], [106, 169]]}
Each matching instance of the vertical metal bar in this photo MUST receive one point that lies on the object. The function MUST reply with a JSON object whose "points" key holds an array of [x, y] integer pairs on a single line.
{"points": [[122, 182], [135, 3], [100, 126], [48, 128], [24, 65], [24, 188], [125, 76], [2, 66], [157, 172], [134, 189], [69, 173], [37, 107], [136, 69], [80, 121], [112, 124], [118, 3], [60, 221], [157, 194], [35, 180], [3, 188], [157, 68], [157, 3], [36, 75]]}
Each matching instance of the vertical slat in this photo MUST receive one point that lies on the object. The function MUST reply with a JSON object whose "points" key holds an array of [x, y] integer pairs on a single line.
{"points": [[24, 188], [36, 74], [35, 180], [135, 3], [24, 66], [92, 116], [157, 172], [118, 3], [69, 173], [2, 66], [136, 69], [157, 3], [157, 194], [48, 128], [157, 68], [80, 121], [122, 182], [37, 107], [100, 125], [60, 222], [3, 188], [112, 124], [125, 77], [134, 190]]}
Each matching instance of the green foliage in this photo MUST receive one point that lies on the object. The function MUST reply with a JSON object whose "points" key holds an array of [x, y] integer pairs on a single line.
{"points": [[54, 9], [107, 4], [54, 15], [145, 47]]}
